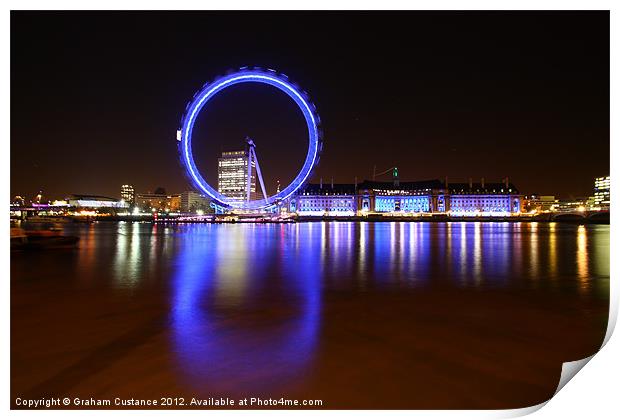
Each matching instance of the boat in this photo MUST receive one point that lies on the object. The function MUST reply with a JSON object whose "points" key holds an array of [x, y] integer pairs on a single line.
{"points": [[23, 240]]}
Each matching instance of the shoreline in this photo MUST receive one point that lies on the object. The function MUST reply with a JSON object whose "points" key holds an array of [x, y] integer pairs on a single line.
{"points": [[546, 218]]}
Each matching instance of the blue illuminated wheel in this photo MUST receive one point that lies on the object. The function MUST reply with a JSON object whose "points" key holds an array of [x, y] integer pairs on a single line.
{"points": [[184, 136]]}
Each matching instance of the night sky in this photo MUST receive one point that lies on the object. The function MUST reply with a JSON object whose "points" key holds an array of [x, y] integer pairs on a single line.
{"points": [[97, 97]]}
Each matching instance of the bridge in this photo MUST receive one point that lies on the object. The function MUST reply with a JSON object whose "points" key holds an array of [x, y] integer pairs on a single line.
{"points": [[576, 215]]}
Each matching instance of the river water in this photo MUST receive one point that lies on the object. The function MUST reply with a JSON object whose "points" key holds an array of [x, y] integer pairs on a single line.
{"points": [[359, 315]]}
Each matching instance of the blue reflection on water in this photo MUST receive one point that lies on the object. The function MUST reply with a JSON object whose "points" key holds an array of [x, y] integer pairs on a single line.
{"points": [[218, 335], [247, 299]]}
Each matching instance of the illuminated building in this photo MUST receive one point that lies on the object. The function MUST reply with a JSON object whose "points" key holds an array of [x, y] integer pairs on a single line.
{"points": [[192, 201], [320, 200], [128, 193], [540, 203], [409, 198], [402, 197], [575, 204], [601, 191], [488, 199], [158, 202], [232, 175], [18, 201], [95, 202]]}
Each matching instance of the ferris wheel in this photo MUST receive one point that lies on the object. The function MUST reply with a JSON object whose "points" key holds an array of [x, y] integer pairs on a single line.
{"points": [[199, 101]]}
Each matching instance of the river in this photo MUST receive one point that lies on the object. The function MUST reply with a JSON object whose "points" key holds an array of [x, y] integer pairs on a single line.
{"points": [[359, 315]]}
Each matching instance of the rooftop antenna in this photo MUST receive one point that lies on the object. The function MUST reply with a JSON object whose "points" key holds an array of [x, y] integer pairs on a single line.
{"points": [[252, 158]]}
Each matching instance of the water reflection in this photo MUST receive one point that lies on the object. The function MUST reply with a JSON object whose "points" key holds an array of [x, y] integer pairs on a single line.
{"points": [[363, 244], [290, 310], [516, 250], [477, 263], [582, 257], [220, 335], [254, 293], [139, 247], [553, 252], [340, 311], [463, 251], [413, 251], [533, 263], [231, 248], [348, 255], [449, 243]]}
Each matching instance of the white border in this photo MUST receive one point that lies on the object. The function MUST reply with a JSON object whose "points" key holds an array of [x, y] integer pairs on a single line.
{"points": [[593, 394]]}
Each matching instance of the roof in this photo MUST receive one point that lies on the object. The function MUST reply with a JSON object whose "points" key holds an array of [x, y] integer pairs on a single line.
{"points": [[476, 187], [326, 189], [153, 196], [432, 184], [91, 197]]}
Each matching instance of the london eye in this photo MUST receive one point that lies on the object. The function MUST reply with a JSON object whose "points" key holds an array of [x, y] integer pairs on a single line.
{"points": [[200, 100]]}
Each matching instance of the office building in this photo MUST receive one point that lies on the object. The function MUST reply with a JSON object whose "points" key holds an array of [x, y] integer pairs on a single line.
{"points": [[573, 204], [192, 202], [602, 191], [232, 175], [541, 203], [128, 194], [150, 202]]}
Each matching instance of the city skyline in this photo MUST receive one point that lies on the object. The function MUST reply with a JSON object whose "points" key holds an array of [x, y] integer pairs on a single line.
{"points": [[42, 196], [531, 106]]}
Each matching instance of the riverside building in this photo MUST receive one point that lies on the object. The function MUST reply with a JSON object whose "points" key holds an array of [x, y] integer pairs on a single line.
{"points": [[320, 200], [601, 191], [485, 199], [409, 198], [158, 202], [191, 202], [95, 202], [128, 193], [541, 203]]}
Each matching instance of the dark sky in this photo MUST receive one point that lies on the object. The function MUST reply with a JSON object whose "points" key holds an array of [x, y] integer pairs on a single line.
{"points": [[96, 97]]}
